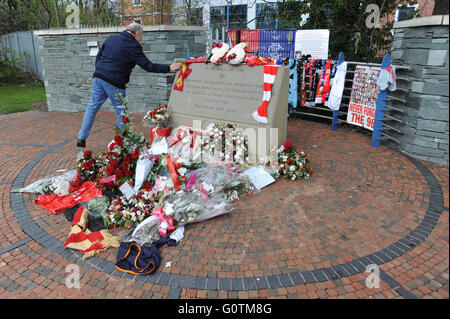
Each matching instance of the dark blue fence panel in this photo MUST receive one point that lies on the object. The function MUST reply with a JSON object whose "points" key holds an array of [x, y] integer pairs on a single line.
{"points": [[277, 43]]}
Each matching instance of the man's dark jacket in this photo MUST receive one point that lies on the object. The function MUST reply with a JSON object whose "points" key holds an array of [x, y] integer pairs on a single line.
{"points": [[118, 56]]}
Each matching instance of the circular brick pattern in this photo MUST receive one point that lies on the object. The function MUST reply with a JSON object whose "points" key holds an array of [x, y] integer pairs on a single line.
{"points": [[361, 206]]}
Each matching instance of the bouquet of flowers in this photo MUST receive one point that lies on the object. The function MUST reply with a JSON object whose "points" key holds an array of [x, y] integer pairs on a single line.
{"points": [[128, 213], [144, 166], [158, 118], [185, 143], [193, 206], [224, 142], [88, 166], [98, 206], [292, 164], [119, 162], [59, 185], [216, 177], [238, 188]]}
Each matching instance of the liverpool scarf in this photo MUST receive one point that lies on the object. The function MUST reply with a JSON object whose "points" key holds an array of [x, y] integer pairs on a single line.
{"points": [[89, 243], [260, 115]]}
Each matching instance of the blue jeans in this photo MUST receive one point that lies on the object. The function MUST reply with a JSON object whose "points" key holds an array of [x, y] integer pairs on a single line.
{"points": [[101, 90]]}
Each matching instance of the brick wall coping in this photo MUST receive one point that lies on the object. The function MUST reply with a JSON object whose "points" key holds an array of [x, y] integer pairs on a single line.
{"points": [[148, 28], [422, 22]]}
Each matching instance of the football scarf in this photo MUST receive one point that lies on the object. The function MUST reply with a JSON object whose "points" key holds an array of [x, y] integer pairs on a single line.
{"points": [[87, 242], [260, 115], [185, 71]]}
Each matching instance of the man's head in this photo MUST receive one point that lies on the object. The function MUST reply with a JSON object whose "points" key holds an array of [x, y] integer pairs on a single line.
{"points": [[137, 29]]}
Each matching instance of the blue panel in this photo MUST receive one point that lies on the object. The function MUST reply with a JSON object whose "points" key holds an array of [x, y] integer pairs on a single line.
{"points": [[277, 43]]}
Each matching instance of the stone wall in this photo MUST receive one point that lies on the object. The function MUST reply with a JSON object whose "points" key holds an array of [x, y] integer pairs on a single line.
{"points": [[423, 45], [68, 66]]}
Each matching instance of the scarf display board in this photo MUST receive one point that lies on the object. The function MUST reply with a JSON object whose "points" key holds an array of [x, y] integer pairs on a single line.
{"points": [[314, 78]]}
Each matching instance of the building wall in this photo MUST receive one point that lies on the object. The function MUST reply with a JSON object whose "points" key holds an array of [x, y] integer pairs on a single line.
{"points": [[146, 11], [423, 45], [68, 66]]}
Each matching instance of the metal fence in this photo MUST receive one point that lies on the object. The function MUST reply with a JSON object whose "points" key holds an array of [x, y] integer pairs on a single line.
{"points": [[389, 133], [24, 45], [265, 42]]}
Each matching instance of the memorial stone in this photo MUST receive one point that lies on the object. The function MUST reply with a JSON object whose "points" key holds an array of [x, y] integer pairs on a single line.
{"points": [[231, 93]]}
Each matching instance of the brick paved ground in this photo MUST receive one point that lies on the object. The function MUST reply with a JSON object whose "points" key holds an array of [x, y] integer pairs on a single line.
{"points": [[295, 239]]}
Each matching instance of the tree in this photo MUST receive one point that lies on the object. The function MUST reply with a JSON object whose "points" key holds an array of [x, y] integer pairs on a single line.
{"points": [[347, 21], [440, 7], [22, 15]]}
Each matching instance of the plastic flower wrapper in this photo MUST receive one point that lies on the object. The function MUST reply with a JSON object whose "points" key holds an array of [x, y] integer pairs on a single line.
{"points": [[143, 167], [145, 232], [239, 187], [216, 176], [194, 206], [59, 185]]}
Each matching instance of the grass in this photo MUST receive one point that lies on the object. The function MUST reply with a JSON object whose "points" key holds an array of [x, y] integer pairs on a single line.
{"points": [[19, 98]]}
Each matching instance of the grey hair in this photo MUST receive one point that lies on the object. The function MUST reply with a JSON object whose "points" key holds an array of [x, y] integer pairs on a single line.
{"points": [[135, 27]]}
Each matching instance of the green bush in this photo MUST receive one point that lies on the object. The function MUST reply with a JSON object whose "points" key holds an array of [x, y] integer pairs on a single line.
{"points": [[10, 68]]}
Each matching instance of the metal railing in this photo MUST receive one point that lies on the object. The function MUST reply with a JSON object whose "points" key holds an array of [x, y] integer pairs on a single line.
{"points": [[392, 112]]}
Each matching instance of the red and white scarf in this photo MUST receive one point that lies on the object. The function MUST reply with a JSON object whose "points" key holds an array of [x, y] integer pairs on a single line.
{"points": [[260, 115]]}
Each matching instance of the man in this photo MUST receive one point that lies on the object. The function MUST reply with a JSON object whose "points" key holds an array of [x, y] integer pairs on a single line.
{"points": [[115, 60]]}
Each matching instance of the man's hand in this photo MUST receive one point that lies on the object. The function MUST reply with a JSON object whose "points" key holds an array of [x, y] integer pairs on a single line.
{"points": [[175, 66]]}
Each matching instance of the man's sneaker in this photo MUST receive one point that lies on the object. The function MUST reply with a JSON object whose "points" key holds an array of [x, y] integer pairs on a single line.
{"points": [[81, 143]]}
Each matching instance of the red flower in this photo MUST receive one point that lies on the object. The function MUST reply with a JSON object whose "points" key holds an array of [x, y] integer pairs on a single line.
{"points": [[287, 145], [87, 154], [118, 139], [128, 172], [111, 146], [177, 165], [114, 163], [116, 155], [119, 173], [135, 154], [288, 161], [148, 185], [127, 159], [125, 119], [88, 165], [110, 169]]}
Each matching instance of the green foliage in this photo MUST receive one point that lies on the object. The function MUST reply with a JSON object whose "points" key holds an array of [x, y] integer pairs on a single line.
{"points": [[23, 15], [347, 22], [10, 66]]}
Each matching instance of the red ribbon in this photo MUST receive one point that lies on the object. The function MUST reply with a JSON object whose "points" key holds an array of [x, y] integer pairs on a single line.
{"points": [[162, 132], [173, 173], [108, 179], [197, 60], [158, 212]]}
